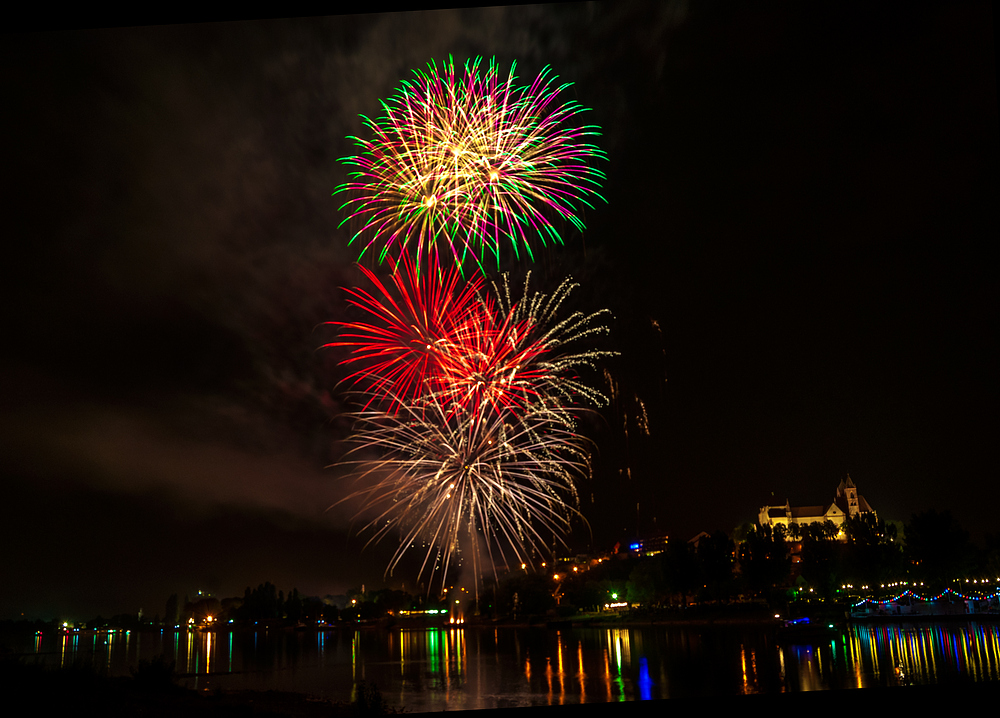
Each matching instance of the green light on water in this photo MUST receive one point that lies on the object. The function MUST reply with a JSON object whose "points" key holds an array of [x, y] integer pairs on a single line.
{"points": [[433, 648]]}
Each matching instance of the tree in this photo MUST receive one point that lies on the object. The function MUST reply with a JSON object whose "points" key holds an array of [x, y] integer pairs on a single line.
{"points": [[989, 558], [937, 547], [764, 562], [866, 529], [873, 555], [584, 590], [645, 583], [680, 569], [741, 532], [203, 608], [533, 592], [829, 530], [715, 566], [171, 616], [393, 600], [293, 606], [820, 563], [261, 603]]}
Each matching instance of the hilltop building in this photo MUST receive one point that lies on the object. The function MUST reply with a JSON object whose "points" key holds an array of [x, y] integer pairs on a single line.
{"points": [[650, 546], [846, 502]]}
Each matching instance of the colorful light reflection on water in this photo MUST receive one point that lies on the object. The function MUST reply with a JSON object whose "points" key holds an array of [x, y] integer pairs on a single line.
{"points": [[430, 669]]}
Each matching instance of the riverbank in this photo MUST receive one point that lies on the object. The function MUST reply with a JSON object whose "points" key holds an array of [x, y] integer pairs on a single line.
{"points": [[729, 615]]}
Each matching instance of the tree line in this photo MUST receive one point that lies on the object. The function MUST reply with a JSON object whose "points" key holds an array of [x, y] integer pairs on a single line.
{"points": [[764, 563], [752, 563], [930, 549]]}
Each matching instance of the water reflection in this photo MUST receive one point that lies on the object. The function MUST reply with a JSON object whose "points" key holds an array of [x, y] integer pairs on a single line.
{"points": [[645, 684], [462, 667], [927, 653], [749, 671], [430, 660]]}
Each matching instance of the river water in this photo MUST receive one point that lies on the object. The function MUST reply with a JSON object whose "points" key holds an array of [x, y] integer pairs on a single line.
{"points": [[455, 668]]}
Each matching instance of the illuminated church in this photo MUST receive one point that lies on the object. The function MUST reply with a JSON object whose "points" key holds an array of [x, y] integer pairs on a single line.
{"points": [[846, 502]]}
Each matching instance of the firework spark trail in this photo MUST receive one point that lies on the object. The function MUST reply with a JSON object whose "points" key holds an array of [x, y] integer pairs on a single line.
{"points": [[446, 474], [460, 164], [556, 372]]}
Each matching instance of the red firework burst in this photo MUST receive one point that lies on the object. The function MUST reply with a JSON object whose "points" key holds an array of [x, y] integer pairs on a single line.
{"points": [[496, 360], [416, 323], [433, 333]]}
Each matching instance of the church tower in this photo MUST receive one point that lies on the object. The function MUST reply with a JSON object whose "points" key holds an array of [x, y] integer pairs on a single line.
{"points": [[849, 492]]}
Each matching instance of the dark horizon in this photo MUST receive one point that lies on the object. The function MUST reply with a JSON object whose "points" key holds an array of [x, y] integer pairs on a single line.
{"points": [[794, 248]]}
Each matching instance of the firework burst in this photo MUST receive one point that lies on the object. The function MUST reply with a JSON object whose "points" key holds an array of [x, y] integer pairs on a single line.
{"points": [[431, 333], [477, 438], [451, 479], [470, 396], [416, 324], [463, 162]]}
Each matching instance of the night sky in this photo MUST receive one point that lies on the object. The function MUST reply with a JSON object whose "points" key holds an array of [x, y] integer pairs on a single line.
{"points": [[801, 210]]}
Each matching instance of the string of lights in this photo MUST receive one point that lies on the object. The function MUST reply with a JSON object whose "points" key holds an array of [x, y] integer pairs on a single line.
{"points": [[928, 599]]}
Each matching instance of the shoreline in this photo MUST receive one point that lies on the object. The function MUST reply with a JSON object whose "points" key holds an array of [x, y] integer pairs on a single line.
{"points": [[551, 623]]}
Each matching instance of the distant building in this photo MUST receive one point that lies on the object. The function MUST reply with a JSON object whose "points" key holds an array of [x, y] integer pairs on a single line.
{"points": [[846, 502], [650, 546], [697, 539]]}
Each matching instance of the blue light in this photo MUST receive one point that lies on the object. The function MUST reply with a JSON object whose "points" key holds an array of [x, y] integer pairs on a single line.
{"points": [[645, 684]]}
